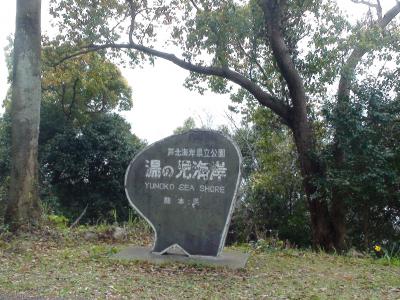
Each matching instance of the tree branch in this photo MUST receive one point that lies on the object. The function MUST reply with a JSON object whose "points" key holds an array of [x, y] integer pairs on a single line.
{"points": [[133, 16], [379, 9], [272, 16], [120, 22], [377, 6], [253, 60], [264, 98], [73, 99], [366, 2], [359, 51], [195, 5], [63, 89]]}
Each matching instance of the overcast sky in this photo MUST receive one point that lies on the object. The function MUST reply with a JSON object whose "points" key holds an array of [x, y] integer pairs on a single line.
{"points": [[161, 103]]}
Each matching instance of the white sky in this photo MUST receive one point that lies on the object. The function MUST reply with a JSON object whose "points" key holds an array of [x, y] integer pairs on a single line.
{"points": [[161, 103]]}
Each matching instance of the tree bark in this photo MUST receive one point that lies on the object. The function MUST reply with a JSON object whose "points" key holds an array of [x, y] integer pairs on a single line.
{"points": [[23, 207], [323, 231]]}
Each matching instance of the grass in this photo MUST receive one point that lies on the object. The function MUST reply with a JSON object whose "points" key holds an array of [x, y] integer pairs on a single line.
{"points": [[63, 264]]}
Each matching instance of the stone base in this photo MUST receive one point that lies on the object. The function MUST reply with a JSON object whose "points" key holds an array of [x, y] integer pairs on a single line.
{"points": [[228, 259]]}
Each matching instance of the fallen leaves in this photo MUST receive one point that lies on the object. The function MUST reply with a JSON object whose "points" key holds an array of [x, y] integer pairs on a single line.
{"points": [[66, 265]]}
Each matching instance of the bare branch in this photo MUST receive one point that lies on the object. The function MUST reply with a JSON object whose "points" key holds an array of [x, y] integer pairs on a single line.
{"points": [[366, 2], [264, 98], [195, 5], [377, 6]]}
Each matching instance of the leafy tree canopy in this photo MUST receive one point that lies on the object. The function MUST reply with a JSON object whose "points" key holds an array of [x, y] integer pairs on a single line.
{"points": [[88, 84], [289, 56], [82, 87], [187, 125], [86, 166], [84, 148], [229, 34]]}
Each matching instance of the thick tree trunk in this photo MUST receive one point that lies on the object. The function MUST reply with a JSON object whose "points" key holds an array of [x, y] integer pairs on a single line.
{"points": [[338, 215], [323, 229], [23, 208], [327, 221], [323, 217], [322, 236]]}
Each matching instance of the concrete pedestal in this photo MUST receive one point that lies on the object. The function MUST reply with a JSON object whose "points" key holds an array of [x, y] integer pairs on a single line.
{"points": [[228, 259]]}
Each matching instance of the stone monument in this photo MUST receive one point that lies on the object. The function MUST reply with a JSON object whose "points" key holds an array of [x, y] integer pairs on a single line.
{"points": [[185, 187]]}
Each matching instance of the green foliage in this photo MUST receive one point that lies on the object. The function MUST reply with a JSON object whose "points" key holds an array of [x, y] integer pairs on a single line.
{"points": [[84, 148], [132, 218], [5, 159], [188, 124], [86, 166], [272, 198], [220, 33], [79, 166], [60, 222], [271, 244], [83, 86], [99, 251], [370, 175], [388, 253], [319, 38]]}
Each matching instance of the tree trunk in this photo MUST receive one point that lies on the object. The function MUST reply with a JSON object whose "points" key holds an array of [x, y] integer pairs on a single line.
{"points": [[338, 215], [23, 208], [365, 225], [327, 222], [322, 222]]}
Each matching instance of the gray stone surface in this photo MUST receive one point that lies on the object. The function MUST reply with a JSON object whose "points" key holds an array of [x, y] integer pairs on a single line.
{"points": [[228, 259], [185, 186]]}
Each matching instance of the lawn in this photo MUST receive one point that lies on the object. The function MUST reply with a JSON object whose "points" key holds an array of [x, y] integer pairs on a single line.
{"points": [[62, 263]]}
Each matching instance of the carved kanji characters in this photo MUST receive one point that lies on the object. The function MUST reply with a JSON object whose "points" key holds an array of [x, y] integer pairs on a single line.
{"points": [[218, 170], [195, 202], [192, 152], [178, 152], [184, 166], [167, 200], [201, 170], [153, 168]]}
